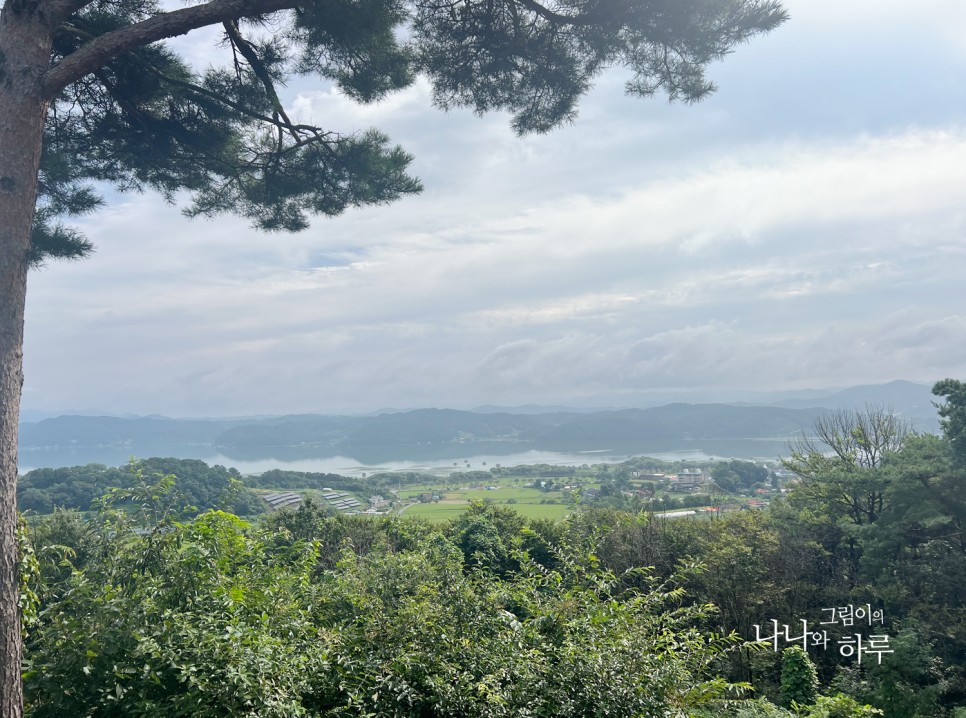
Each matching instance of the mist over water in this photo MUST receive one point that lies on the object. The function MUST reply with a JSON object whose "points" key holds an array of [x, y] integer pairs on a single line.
{"points": [[428, 459]]}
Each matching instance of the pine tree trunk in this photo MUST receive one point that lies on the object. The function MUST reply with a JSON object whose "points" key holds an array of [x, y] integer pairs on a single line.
{"points": [[24, 56]]}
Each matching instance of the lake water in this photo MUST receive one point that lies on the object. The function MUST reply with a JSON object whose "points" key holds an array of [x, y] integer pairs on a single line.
{"points": [[351, 467], [438, 460]]}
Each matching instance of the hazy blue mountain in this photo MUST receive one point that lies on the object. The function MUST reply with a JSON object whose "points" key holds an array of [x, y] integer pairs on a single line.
{"points": [[534, 409], [912, 401], [426, 427], [670, 427], [310, 431], [675, 424], [561, 431], [113, 430]]}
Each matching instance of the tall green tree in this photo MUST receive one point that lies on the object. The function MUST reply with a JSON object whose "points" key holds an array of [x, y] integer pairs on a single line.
{"points": [[88, 92], [841, 481], [924, 529], [953, 415], [838, 463]]}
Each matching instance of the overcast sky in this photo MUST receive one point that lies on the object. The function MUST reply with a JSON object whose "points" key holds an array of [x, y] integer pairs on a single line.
{"points": [[802, 228]]}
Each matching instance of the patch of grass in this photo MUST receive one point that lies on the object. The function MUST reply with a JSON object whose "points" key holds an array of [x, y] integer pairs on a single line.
{"points": [[450, 509], [501, 494], [542, 511], [435, 512]]}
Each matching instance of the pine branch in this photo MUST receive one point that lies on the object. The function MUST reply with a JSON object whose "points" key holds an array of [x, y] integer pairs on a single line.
{"points": [[170, 24], [258, 67], [248, 112], [554, 17]]}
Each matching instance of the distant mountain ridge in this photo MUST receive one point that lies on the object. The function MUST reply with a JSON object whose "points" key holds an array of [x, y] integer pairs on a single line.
{"points": [[82, 430], [903, 394], [581, 430], [656, 428], [913, 401]]}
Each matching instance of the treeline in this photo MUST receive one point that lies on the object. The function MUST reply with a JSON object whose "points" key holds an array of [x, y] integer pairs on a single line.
{"points": [[535, 470], [282, 479], [378, 483], [197, 484]]}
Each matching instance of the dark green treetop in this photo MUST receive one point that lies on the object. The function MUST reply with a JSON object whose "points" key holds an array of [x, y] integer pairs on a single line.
{"points": [[953, 414]]}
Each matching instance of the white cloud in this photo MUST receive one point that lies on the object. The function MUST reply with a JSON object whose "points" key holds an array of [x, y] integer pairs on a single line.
{"points": [[612, 287], [778, 235]]}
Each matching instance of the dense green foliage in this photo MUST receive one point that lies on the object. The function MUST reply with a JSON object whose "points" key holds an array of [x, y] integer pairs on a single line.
{"points": [[733, 476], [379, 483], [606, 613], [216, 617], [953, 413], [799, 683], [79, 487]]}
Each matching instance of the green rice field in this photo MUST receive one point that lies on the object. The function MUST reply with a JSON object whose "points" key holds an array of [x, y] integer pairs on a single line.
{"points": [[450, 509], [526, 501]]}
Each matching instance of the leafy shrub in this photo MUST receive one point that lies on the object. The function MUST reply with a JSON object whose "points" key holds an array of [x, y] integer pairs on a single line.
{"points": [[799, 683]]}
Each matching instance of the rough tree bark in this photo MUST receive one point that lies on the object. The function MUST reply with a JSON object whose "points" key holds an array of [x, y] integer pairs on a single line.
{"points": [[25, 43]]}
